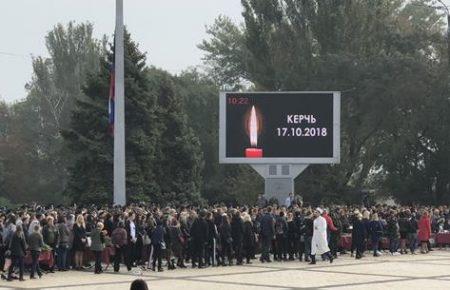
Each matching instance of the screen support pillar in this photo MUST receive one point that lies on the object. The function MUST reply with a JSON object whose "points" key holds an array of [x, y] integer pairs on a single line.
{"points": [[279, 179]]}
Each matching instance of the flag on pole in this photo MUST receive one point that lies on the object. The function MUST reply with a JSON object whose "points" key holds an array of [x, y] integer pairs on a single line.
{"points": [[111, 101]]}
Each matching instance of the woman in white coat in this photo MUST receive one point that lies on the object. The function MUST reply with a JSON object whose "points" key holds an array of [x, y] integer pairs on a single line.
{"points": [[319, 243]]}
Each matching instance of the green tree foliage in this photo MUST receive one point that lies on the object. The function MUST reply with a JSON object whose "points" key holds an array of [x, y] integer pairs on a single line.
{"points": [[388, 57], [200, 96], [232, 183], [4, 124], [385, 57], [163, 155], [32, 152], [181, 163]]}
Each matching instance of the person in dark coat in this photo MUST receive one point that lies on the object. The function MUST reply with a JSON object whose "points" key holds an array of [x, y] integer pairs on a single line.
{"points": [[403, 224], [376, 232], [185, 237], [300, 240], [35, 244], [50, 233], [199, 235], [226, 241], [17, 247], [281, 237], [109, 224], [97, 246], [177, 242], [119, 240], [212, 238], [366, 223], [353, 219], [267, 234], [359, 235], [63, 243], [292, 236], [130, 227], [140, 248], [249, 239], [158, 244], [168, 243], [393, 232], [335, 235], [237, 233], [309, 230], [79, 241], [412, 232]]}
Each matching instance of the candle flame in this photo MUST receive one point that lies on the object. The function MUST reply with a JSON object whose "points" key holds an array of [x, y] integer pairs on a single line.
{"points": [[253, 127]]}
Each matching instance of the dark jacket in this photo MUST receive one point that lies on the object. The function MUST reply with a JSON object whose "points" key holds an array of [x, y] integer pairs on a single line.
{"points": [[393, 228], [281, 226], [309, 227], [292, 231], [299, 221], [158, 235], [50, 234], [225, 233], [79, 233], [109, 226], [17, 245], [366, 223], [403, 224], [413, 226], [267, 225], [175, 237], [35, 241], [167, 236], [248, 235], [199, 231], [237, 230], [345, 223], [128, 229], [97, 240], [212, 231], [376, 231], [119, 237], [63, 235], [359, 232]]}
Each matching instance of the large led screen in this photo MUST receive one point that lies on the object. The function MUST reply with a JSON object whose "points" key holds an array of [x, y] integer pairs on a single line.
{"points": [[279, 127]]}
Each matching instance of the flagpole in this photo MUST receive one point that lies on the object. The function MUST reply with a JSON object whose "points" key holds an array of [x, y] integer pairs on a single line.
{"points": [[119, 110]]}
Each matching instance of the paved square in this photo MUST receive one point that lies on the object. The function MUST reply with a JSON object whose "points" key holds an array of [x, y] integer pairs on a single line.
{"points": [[430, 271]]}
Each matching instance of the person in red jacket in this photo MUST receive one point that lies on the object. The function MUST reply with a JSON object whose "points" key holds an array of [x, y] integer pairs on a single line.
{"points": [[330, 224], [424, 232], [330, 228]]}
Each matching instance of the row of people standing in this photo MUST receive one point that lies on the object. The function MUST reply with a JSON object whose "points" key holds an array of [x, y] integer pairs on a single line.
{"points": [[401, 229], [217, 236]]}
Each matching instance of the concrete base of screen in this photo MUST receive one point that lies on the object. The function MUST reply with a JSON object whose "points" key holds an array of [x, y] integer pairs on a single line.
{"points": [[278, 188], [279, 179]]}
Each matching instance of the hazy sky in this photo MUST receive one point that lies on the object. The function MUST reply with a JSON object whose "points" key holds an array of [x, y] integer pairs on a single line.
{"points": [[168, 30]]}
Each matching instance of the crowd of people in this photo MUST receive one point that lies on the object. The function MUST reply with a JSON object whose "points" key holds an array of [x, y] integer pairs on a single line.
{"points": [[150, 237]]}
